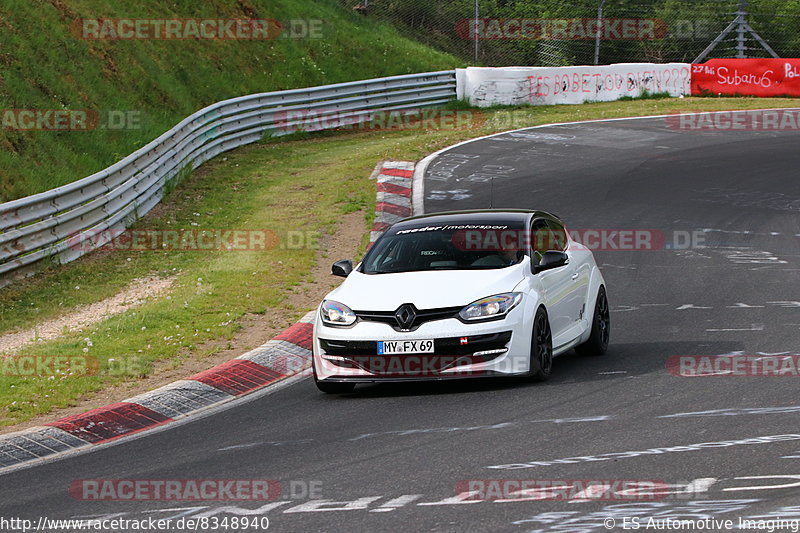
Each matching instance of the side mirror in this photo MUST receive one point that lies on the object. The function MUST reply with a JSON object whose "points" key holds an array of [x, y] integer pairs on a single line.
{"points": [[551, 259], [342, 268]]}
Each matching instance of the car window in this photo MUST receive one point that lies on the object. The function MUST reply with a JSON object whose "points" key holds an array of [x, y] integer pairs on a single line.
{"points": [[444, 249], [388, 255], [541, 236], [559, 234]]}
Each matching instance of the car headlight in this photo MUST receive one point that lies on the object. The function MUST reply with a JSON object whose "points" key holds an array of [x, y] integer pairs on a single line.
{"points": [[491, 307], [336, 314]]}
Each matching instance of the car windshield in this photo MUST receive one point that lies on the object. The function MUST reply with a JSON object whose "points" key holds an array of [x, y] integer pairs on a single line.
{"points": [[463, 247]]}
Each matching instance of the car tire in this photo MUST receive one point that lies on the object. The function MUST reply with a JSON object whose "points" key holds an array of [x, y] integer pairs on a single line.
{"points": [[541, 356], [597, 344]]}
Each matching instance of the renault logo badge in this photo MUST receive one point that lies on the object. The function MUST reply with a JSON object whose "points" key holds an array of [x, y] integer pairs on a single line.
{"points": [[405, 316]]}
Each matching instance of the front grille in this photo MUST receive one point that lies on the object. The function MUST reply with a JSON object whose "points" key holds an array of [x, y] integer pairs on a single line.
{"points": [[423, 316], [449, 354], [442, 347]]}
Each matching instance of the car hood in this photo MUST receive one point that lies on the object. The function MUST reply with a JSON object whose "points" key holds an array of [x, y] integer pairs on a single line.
{"points": [[426, 290]]}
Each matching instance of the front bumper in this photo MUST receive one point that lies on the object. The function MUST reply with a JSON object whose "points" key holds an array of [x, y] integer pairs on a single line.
{"points": [[483, 349]]}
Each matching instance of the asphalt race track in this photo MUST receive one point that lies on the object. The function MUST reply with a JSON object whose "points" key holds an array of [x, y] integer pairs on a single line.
{"points": [[722, 208]]}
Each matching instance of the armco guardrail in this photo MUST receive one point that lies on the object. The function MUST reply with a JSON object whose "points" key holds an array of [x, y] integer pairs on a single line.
{"points": [[55, 225]]}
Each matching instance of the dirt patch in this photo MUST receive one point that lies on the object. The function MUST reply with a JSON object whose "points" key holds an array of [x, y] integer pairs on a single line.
{"points": [[342, 245], [134, 294], [255, 330]]}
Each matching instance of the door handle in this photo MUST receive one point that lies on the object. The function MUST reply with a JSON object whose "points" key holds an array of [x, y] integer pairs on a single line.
{"points": [[575, 276]]}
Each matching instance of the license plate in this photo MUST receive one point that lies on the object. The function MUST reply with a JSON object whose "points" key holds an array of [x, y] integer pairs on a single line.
{"points": [[404, 347]]}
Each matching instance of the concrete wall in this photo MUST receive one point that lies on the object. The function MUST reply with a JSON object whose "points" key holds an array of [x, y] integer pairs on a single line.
{"points": [[485, 86]]}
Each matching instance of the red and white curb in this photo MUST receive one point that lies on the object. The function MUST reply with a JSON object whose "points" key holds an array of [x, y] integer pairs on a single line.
{"points": [[286, 355], [393, 202]]}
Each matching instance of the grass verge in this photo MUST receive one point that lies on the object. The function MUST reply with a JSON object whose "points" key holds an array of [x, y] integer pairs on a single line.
{"points": [[139, 88]]}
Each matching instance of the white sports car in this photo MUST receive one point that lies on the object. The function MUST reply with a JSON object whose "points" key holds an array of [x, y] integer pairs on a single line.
{"points": [[461, 294]]}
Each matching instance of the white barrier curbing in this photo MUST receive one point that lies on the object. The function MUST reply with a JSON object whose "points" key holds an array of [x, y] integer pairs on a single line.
{"points": [[487, 86]]}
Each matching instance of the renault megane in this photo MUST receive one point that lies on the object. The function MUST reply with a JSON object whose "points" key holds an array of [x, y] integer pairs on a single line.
{"points": [[461, 294]]}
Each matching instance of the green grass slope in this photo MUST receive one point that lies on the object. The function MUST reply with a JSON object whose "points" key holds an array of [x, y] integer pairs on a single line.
{"points": [[45, 65]]}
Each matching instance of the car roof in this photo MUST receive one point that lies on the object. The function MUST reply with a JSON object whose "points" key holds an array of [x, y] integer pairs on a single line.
{"points": [[516, 217]]}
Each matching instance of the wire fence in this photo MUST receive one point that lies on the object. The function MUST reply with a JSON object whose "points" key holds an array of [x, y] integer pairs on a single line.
{"points": [[556, 33]]}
